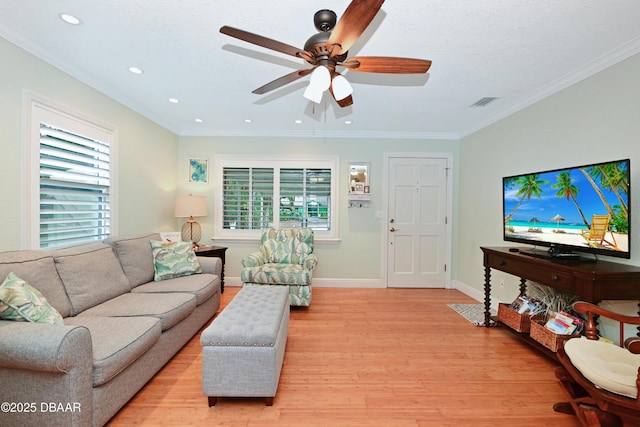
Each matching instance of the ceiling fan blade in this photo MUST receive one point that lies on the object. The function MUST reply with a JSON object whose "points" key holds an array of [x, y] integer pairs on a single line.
{"points": [[279, 82], [352, 24], [387, 64], [263, 41]]}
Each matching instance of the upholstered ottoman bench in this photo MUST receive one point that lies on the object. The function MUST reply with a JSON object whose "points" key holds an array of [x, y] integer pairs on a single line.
{"points": [[243, 348]]}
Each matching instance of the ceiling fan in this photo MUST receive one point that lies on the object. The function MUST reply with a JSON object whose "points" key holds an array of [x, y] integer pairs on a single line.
{"points": [[328, 49]]}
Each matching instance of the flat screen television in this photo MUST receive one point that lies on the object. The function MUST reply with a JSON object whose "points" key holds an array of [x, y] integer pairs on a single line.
{"points": [[582, 209]]}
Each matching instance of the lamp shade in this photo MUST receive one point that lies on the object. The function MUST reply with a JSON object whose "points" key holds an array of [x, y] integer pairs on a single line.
{"points": [[341, 87], [190, 206], [320, 81]]}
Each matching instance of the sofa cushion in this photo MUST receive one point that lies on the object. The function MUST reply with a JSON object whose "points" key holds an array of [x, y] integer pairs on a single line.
{"points": [[203, 286], [277, 274], [169, 308], [20, 301], [286, 245], [39, 270], [113, 352], [174, 259], [136, 258], [91, 275]]}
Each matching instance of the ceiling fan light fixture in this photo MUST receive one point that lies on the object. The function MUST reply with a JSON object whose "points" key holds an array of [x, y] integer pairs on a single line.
{"points": [[320, 81], [341, 87], [313, 94], [321, 78]]}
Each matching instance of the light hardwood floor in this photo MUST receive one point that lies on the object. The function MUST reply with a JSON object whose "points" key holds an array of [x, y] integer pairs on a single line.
{"points": [[372, 357]]}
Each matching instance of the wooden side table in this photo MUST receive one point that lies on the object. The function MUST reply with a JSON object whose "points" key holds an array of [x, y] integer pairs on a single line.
{"points": [[214, 251]]}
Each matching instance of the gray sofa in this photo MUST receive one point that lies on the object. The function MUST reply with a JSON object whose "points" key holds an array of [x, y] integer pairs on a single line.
{"points": [[120, 328]]}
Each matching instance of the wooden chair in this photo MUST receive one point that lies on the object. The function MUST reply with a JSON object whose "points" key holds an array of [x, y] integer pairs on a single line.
{"points": [[601, 379], [596, 235]]}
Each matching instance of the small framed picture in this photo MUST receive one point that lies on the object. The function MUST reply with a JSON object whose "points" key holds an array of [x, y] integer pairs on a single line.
{"points": [[359, 187], [198, 170], [366, 189]]}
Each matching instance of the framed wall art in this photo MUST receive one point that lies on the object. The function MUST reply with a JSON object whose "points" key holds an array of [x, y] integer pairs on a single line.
{"points": [[358, 178], [198, 170]]}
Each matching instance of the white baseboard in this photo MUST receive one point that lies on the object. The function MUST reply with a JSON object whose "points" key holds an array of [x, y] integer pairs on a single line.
{"points": [[325, 283], [348, 283], [474, 293]]}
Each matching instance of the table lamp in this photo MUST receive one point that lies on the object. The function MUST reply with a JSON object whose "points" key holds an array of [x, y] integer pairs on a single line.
{"points": [[188, 207]]}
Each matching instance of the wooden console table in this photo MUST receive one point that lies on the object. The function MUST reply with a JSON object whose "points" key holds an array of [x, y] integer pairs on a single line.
{"points": [[591, 281]]}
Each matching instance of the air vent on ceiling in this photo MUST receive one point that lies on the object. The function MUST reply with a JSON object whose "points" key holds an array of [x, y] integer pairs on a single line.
{"points": [[482, 102]]}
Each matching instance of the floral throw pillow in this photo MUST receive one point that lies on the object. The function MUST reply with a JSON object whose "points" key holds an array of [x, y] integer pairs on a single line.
{"points": [[22, 302], [174, 259]]}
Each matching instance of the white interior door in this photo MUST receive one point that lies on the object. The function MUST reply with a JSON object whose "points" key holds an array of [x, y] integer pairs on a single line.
{"points": [[417, 222]]}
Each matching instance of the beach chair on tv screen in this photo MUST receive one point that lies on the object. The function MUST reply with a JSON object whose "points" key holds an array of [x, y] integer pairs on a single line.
{"points": [[596, 235]]}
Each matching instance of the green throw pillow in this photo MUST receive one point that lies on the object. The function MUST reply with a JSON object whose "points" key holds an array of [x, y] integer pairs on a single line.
{"points": [[174, 259], [21, 301]]}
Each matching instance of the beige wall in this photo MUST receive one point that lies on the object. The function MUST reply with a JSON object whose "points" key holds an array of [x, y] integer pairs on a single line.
{"points": [[359, 253], [147, 152], [597, 119]]}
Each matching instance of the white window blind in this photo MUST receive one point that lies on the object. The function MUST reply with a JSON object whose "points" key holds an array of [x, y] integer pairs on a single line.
{"points": [[247, 198], [74, 188], [276, 193], [305, 198]]}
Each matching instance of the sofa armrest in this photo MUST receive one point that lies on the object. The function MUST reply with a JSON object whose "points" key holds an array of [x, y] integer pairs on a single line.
{"points": [[210, 265], [43, 347], [41, 363], [254, 259], [310, 262]]}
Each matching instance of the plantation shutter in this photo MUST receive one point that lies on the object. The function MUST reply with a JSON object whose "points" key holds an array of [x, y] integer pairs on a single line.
{"points": [[247, 198], [74, 188], [305, 198]]}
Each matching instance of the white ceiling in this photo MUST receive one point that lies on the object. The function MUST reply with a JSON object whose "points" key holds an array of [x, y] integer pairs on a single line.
{"points": [[517, 51]]}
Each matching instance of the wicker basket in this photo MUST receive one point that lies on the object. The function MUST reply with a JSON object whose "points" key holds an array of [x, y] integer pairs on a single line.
{"points": [[514, 320], [548, 338]]}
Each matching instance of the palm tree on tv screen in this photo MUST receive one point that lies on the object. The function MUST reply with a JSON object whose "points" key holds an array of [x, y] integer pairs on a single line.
{"points": [[530, 185], [568, 191], [613, 177]]}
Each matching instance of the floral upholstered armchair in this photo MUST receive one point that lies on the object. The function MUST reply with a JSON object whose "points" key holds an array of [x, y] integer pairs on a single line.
{"points": [[285, 258]]}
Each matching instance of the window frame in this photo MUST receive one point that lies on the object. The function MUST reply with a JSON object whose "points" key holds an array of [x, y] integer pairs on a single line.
{"points": [[276, 162], [40, 110]]}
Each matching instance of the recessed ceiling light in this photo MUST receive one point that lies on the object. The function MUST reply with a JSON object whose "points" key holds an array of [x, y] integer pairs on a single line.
{"points": [[198, 120], [348, 122], [248, 120], [173, 100], [135, 70], [297, 121], [70, 19]]}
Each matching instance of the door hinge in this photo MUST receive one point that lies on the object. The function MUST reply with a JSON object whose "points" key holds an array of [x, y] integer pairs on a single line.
{"points": [[445, 267]]}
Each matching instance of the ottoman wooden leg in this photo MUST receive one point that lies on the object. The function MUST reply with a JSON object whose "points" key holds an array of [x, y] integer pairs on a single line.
{"points": [[212, 401], [268, 401]]}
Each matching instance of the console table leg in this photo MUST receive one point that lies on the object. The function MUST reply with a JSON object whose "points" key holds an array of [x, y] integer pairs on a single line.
{"points": [[487, 296]]}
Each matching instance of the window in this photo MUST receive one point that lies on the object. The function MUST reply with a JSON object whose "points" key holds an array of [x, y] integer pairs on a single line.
{"points": [[71, 194], [276, 193]]}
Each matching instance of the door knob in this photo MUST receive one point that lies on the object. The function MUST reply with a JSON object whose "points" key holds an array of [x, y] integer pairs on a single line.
{"points": [[393, 229]]}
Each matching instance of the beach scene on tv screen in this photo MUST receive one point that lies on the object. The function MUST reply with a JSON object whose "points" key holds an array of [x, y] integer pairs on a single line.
{"points": [[580, 207]]}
